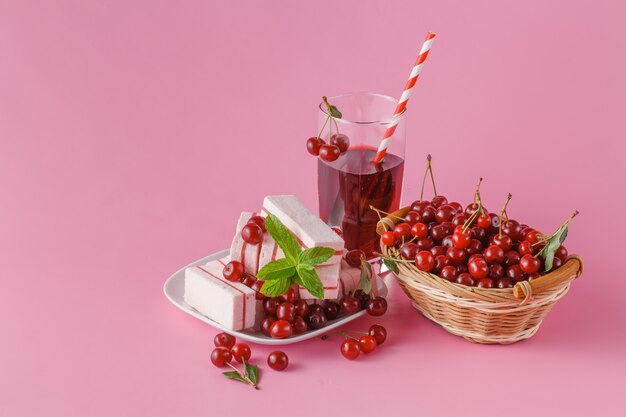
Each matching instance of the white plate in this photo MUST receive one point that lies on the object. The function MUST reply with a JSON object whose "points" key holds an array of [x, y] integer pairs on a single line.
{"points": [[175, 285]]}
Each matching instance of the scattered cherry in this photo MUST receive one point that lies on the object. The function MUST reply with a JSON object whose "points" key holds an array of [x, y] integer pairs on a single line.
{"points": [[331, 310], [266, 325], [281, 329], [241, 352], [377, 306], [220, 356], [317, 320], [259, 221], [349, 304], [367, 343], [302, 308], [278, 360], [350, 348], [224, 340], [379, 333], [299, 325], [286, 311]]}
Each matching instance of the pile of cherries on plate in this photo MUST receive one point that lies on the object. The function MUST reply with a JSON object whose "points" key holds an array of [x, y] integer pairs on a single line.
{"points": [[468, 245]]}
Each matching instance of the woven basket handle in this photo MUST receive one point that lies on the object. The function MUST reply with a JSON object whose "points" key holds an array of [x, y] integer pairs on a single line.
{"points": [[572, 268]]}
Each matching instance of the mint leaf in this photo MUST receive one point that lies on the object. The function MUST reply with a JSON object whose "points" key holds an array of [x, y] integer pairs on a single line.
{"points": [[393, 267], [316, 256], [275, 287], [283, 237], [310, 280], [279, 269], [335, 112], [552, 245], [234, 375], [366, 277], [253, 372]]}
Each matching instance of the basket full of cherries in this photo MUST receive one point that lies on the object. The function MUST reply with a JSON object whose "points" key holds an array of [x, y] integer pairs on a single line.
{"points": [[480, 275]]}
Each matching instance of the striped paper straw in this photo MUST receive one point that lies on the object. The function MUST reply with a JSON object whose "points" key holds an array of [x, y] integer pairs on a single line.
{"points": [[384, 144]]}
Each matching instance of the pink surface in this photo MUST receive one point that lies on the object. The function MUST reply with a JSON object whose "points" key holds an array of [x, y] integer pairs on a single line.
{"points": [[134, 133]]}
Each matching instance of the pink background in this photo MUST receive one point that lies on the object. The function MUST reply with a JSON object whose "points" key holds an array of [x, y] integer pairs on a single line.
{"points": [[133, 133]]}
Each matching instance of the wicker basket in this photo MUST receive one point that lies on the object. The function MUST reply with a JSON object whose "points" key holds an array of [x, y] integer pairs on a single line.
{"points": [[483, 315]]}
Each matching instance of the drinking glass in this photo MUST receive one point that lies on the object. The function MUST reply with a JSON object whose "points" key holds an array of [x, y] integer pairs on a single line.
{"points": [[348, 186]]}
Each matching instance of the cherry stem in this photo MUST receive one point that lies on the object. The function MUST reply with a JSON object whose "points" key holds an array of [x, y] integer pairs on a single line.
{"points": [[477, 192], [322, 131], [503, 212], [243, 375], [385, 213], [330, 115]]}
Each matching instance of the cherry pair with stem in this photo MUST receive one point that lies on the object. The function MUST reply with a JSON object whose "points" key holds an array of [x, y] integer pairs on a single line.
{"points": [[339, 143], [351, 347]]}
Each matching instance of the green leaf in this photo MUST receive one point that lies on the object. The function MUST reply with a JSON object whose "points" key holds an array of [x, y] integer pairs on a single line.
{"points": [[253, 372], [335, 112], [275, 287], [552, 245], [393, 267], [279, 269], [283, 237], [316, 256], [366, 277], [310, 280], [234, 375]]}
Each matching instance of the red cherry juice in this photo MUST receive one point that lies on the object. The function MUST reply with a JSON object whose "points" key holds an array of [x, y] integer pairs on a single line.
{"points": [[348, 186]]}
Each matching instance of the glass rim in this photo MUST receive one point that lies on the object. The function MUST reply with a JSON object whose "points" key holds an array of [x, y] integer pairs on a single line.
{"points": [[322, 108]]}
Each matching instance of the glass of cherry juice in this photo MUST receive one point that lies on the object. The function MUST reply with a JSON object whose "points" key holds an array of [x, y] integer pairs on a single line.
{"points": [[349, 185]]}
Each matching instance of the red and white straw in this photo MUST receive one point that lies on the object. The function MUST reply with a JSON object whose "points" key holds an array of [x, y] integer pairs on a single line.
{"points": [[415, 72]]}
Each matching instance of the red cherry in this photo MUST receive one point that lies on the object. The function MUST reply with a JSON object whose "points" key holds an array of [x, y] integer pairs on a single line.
{"points": [[525, 248], [504, 283], [461, 269], [259, 221], [341, 141], [349, 304], [561, 253], [290, 296], [379, 333], [220, 356], [441, 262], [483, 221], [461, 239], [278, 360], [248, 280], [478, 268], [302, 308], [388, 238], [377, 306], [299, 325], [402, 230], [459, 219], [556, 263], [474, 247], [485, 283], [496, 271], [515, 273], [350, 348], [456, 206], [241, 352], [529, 264], [367, 344], [354, 257], [281, 329], [362, 297], [448, 273], [532, 236], [412, 217], [445, 213], [425, 261], [329, 153], [425, 243], [419, 205], [439, 201], [439, 251], [513, 229], [258, 284], [511, 258], [331, 309], [317, 320], [419, 230], [533, 276], [428, 214], [224, 340], [270, 305], [409, 250], [494, 254], [504, 241], [438, 233], [313, 145], [266, 325], [252, 233], [233, 271], [456, 255], [495, 224], [465, 279], [286, 311]]}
